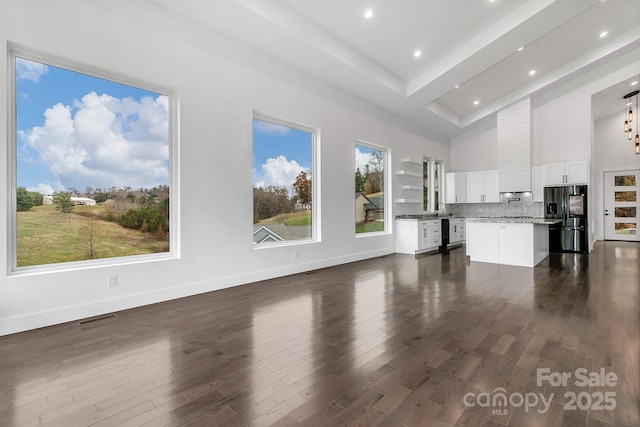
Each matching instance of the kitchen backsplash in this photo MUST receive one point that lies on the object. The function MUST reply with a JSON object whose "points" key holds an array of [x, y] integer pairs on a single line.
{"points": [[508, 206]]}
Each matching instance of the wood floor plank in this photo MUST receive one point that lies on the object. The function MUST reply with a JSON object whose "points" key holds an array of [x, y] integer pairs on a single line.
{"points": [[392, 341]]}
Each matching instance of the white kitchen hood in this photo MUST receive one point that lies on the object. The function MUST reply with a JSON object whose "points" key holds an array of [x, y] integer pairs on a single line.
{"points": [[514, 147]]}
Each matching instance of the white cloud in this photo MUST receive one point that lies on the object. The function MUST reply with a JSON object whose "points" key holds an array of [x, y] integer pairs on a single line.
{"points": [[267, 128], [362, 159], [42, 188], [30, 70], [279, 172], [102, 141]]}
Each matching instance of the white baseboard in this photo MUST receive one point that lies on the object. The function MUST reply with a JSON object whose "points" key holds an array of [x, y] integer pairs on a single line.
{"points": [[73, 313]]}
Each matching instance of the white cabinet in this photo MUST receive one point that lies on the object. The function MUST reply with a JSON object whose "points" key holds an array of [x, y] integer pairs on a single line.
{"points": [[482, 187], [577, 172], [435, 234], [565, 173], [537, 184], [483, 243], [456, 187], [508, 243], [414, 236], [456, 231]]}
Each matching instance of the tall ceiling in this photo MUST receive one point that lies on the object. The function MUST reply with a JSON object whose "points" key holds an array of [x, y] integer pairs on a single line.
{"points": [[476, 56]]}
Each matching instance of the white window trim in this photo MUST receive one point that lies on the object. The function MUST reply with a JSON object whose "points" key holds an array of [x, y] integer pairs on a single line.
{"points": [[316, 235], [432, 189], [16, 50], [388, 197]]}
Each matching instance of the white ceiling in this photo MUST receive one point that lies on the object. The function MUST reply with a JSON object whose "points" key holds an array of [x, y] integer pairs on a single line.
{"points": [[472, 44]]}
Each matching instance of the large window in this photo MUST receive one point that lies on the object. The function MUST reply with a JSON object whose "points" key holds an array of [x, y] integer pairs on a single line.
{"points": [[283, 182], [370, 162], [91, 164]]}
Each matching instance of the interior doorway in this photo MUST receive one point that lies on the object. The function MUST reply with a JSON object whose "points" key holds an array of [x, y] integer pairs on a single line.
{"points": [[621, 205]]}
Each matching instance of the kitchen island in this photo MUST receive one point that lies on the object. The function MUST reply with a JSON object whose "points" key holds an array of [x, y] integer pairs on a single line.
{"points": [[512, 241]]}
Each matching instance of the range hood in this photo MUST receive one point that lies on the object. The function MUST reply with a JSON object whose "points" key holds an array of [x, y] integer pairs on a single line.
{"points": [[514, 148]]}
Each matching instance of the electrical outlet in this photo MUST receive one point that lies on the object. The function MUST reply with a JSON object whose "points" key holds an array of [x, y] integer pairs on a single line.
{"points": [[113, 280], [295, 254]]}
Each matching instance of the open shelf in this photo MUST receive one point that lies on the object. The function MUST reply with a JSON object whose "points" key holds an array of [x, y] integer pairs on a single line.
{"points": [[409, 173], [411, 187], [409, 161]]}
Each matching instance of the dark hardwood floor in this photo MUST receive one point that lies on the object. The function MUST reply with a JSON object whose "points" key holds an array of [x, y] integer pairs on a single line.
{"points": [[394, 341]]}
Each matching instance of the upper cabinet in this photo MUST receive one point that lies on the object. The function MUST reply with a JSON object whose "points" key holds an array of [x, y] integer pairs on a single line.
{"points": [[482, 187], [568, 173], [456, 187], [514, 147]]}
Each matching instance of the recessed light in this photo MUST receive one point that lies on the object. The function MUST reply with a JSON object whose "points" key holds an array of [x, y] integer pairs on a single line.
{"points": [[520, 48], [456, 86], [476, 102], [368, 13], [417, 53], [532, 72], [603, 34], [634, 83]]}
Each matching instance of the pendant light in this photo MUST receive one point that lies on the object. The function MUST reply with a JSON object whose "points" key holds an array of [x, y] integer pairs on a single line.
{"points": [[636, 139], [628, 128]]}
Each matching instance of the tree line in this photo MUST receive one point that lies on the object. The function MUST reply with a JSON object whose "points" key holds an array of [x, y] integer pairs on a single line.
{"points": [[25, 200], [371, 180], [276, 200]]}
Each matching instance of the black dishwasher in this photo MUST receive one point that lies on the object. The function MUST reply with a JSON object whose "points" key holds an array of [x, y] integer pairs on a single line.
{"points": [[444, 231]]}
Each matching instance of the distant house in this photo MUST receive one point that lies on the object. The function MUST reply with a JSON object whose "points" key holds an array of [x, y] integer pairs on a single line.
{"points": [[369, 207], [48, 200], [262, 234], [278, 232], [83, 201]]}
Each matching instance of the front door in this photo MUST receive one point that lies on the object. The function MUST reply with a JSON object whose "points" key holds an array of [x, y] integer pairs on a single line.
{"points": [[622, 205]]}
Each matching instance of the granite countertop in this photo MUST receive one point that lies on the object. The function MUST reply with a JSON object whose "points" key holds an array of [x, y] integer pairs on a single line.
{"points": [[423, 217], [517, 220], [501, 219]]}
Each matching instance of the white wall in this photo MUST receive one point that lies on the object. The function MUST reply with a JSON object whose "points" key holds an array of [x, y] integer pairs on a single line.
{"points": [[217, 98], [475, 150], [561, 129]]}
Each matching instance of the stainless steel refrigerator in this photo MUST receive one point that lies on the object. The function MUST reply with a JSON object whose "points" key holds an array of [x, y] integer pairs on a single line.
{"points": [[569, 205]]}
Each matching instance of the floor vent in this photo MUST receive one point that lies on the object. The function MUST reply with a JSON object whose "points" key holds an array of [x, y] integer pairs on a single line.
{"points": [[96, 319]]}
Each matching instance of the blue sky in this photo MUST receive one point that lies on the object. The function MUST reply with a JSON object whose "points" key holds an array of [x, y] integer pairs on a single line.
{"points": [[78, 131], [363, 156], [280, 153]]}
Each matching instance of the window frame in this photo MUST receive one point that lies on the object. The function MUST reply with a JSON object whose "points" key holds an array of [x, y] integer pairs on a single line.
{"points": [[387, 188], [429, 191], [315, 179], [19, 51]]}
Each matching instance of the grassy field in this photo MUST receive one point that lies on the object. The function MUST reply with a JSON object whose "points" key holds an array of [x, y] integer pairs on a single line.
{"points": [[45, 236], [300, 218], [303, 218], [370, 227]]}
